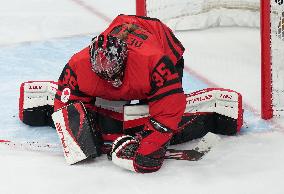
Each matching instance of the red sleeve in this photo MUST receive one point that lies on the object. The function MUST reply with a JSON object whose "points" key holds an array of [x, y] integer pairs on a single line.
{"points": [[68, 89], [166, 100], [171, 45]]}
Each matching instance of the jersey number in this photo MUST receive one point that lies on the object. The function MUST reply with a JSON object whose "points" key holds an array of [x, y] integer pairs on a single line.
{"points": [[131, 41], [163, 73], [69, 79]]}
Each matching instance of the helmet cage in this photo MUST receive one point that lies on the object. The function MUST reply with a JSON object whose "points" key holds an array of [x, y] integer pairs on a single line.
{"points": [[108, 59]]}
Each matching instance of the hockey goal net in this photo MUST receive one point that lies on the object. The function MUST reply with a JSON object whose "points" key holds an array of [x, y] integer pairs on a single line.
{"points": [[266, 14]]}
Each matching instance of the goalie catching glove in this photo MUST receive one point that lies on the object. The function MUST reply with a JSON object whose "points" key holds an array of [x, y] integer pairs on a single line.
{"points": [[146, 151]]}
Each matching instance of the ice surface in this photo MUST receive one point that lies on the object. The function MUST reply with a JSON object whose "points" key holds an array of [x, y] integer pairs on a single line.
{"points": [[251, 162]]}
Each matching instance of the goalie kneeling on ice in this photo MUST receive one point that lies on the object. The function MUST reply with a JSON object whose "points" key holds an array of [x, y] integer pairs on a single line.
{"points": [[214, 110]]}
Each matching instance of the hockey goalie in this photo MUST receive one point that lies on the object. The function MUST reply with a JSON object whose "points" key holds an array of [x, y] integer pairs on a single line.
{"points": [[122, 95]]}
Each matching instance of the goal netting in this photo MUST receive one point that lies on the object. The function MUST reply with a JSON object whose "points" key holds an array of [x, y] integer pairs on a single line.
{"points": [[202, 14], [277, 56], [199, 14]]}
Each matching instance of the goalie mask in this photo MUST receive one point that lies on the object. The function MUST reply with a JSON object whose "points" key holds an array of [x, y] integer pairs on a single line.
{"points": [[108, 58]]}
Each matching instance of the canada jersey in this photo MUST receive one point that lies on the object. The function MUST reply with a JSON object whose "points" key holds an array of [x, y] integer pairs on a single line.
{"points": [[150, 74]]}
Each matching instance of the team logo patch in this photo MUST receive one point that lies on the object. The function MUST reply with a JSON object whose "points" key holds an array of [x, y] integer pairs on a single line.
{"points": [[65, 95]]}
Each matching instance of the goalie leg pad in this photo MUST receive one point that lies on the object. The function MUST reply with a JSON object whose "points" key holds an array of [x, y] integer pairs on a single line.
{"points": [[78, 137], [225, 103], [215, 110], [36, 102]]}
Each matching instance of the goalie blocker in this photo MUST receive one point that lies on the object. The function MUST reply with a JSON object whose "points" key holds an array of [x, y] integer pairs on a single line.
{"points": [[76, 130]]}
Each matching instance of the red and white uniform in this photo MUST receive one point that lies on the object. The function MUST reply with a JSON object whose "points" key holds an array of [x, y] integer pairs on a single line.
{"points": [[152, 73]]}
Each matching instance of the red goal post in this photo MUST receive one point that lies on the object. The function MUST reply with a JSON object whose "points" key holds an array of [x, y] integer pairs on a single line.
{"points": [[272, 39], [141, 8], [266, 79]]}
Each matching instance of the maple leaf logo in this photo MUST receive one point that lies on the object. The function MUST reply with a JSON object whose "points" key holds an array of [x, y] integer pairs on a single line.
{"points": [[65, 95]]}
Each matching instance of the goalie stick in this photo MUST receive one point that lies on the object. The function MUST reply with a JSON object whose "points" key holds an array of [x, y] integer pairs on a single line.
{"points": [[204, 146], [190, 155]]}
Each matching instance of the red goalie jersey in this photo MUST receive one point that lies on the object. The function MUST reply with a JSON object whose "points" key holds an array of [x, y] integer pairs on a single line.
{"points": [[150, 72]]}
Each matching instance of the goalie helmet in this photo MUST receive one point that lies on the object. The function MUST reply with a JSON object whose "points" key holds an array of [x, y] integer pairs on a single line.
{"points": [[108, 58]]}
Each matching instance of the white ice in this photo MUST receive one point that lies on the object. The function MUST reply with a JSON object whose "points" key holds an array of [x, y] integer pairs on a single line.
{"points": [[38, 37]]}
